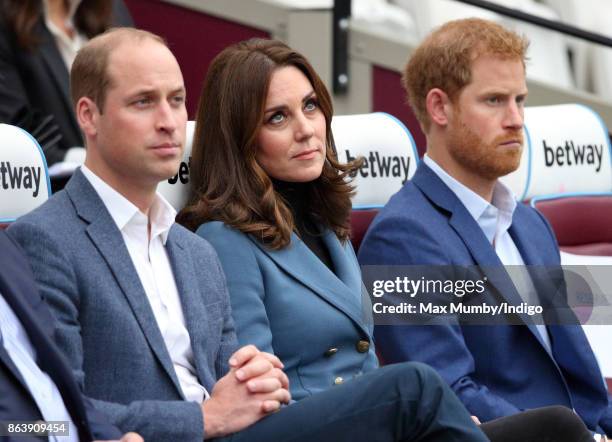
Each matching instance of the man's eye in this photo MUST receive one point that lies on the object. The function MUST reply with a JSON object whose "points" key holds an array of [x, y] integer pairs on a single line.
{"points": [[179, 99], [493, 100], [143, 102]]}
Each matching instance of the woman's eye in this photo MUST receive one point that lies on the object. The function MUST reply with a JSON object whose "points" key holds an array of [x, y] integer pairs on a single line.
{"points": [[276, 118], [310, 105]]}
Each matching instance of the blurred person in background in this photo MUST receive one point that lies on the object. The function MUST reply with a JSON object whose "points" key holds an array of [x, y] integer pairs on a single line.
{"points": [[39, 40]]}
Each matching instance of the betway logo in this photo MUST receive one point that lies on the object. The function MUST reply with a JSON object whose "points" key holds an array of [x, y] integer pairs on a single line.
{"points": [[183, 173], [377, 165], [573, 154], [20, 176]]}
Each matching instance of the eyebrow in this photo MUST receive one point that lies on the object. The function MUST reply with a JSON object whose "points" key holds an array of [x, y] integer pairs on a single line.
{"points": [[141, 92], [284, 106], [503, 92]]}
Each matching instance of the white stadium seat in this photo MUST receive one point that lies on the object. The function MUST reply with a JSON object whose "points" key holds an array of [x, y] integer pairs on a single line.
{"points": [[567, 149], [176, 189], [388, 150], [24, 178]]}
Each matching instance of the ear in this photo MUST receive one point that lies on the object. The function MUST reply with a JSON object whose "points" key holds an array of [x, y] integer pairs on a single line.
{"points": [[438, 106], [87, 114]]}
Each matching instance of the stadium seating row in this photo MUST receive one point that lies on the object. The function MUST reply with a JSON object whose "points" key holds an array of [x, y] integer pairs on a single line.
{"points": [[566, 173]]}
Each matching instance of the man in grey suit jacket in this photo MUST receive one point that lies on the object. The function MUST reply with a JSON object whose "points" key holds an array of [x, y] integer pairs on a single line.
{"points": [[142, 303]]}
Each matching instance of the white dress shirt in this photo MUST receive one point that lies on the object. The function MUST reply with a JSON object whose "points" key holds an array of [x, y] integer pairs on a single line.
{"points": [[42, 388], [495, 219], [67, 46], [155, 272]]}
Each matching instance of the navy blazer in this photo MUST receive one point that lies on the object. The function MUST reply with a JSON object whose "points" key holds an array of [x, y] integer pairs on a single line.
{"points": [[106, 324], [16, 403], [34, 85], [495, 370], [289, 303]]}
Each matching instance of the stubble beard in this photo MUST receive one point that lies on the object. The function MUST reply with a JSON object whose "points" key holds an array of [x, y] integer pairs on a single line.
{"points": [[487, 160]]}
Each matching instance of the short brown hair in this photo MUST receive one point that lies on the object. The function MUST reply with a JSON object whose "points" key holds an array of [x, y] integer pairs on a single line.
{"points": [[228, 184], [89, 74], [444, 59]]}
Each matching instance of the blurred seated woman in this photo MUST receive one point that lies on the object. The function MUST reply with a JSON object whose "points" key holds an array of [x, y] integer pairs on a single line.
{"points": [[271, 197], [38, 42]]}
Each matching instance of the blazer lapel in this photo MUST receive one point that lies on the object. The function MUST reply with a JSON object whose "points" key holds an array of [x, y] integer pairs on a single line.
{"points": [[473, 237], [108, 240], [55, 64], [346, 269], [8, 363], [298, 261], [567, 336], [194, 307]]}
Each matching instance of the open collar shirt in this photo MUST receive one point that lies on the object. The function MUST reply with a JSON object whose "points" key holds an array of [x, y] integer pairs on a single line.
{"points": [[152, 264], [495, 220]]}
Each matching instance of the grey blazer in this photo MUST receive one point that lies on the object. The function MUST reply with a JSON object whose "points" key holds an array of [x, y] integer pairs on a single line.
{"points": [[107, 328]]}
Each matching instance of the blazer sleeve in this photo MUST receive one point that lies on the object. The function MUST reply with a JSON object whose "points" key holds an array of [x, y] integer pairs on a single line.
{"points": [[606, 420], [245, 283], [155, 420], [390, 244]]}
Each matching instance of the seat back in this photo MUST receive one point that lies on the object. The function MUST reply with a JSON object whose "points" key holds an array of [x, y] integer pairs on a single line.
{"points": [[567, 150], [390, 158], [570, 176], [176, 188], [24, 177], [581, 221]]}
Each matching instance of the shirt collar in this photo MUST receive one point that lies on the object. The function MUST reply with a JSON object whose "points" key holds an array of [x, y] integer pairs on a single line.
{"points": [[72, 8], [484, 213], [123, 211]]}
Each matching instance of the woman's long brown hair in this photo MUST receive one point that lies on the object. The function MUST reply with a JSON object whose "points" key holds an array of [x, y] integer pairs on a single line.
{"points": [[92, 17], [227, 183]]}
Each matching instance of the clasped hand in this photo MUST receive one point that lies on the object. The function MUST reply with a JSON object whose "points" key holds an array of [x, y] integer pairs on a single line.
{"points": [[254, 386]]}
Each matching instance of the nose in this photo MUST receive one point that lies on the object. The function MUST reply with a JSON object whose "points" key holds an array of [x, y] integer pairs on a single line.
{"points": [[166, 118], [303, 128], [514, 117]]}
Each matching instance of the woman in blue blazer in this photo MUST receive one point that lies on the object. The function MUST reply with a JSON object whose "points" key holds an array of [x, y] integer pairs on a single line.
{"points": [[269, 194], [279, 220]]}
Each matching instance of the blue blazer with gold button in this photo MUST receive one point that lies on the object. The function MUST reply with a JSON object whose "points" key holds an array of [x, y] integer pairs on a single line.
{"points": [[289, 303]]}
